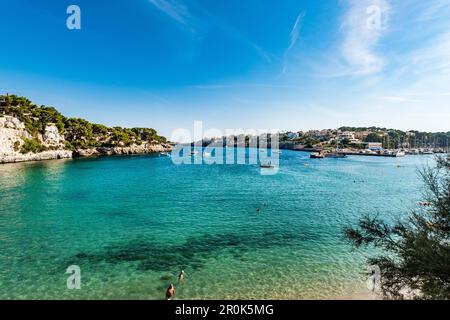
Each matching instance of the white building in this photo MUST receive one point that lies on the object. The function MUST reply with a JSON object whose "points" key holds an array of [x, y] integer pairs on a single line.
{"points": [[350, 136], [374, 145]]}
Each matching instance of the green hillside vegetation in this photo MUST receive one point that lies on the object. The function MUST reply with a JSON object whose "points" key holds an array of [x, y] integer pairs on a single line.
{"points": [[78, 133], [390, 138], [393, 138]]}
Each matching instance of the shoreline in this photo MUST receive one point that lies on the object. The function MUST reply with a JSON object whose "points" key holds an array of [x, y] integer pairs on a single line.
{"points": [[105, 152], [84, 153]]}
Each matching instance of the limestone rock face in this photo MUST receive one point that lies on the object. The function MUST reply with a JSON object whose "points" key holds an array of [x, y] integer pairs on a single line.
{"points": [[133, 149], [143, 148], [86, 152], [45, 155], [11, 133], [52, 138]]}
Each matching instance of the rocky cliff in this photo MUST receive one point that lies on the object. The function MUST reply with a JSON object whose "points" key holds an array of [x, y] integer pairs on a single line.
{"points": [[13, 136], [12, 132]]}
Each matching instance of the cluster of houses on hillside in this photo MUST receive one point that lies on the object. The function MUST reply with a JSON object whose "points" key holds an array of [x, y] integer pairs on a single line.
{"points": [[329, 136], [373, 139]]}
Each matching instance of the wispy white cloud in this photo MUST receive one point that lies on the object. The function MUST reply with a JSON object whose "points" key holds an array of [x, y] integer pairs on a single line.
{"points": [[177, 11], [400, 98], [418, 91], [416, 96], [198, 20], [295, 32], [364, 25], [433, 57], [262, 53], [241, 85], [293, 38], [433, 9], [424, 73]]}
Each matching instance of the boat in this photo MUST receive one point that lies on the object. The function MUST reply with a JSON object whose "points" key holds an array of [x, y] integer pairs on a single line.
{"points": [[335, 155], [317, 155], [267, 165], [400, 154], [164, 154]]}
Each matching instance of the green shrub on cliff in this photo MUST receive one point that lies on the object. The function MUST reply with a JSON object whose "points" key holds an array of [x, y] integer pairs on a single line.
{"points": [[99, 129], [78, 130], [16, 146], [32, 145], [148, 134], [121, 137], [79, 133]]}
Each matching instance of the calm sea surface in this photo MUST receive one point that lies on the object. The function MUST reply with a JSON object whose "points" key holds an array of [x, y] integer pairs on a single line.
{"points": [[132, 223]]}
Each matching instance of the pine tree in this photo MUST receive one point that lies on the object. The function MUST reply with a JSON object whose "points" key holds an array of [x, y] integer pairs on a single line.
{"points": [[415, 251]]}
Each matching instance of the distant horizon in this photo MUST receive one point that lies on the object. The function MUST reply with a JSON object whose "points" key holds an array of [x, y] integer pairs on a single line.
{"points": [[224, 129], [302, 65]]}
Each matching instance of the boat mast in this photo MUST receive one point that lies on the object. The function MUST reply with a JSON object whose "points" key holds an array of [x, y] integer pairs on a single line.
{"points": [[337, 142]]}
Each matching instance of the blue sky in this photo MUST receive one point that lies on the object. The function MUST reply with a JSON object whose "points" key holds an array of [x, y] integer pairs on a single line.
{"points": [[290, 65]]}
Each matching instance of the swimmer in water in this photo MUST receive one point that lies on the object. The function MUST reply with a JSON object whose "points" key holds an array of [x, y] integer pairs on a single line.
{"points": [[170, 292], [181, 276]]}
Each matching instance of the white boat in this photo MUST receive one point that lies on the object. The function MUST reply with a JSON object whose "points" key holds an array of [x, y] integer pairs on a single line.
{"points": [[316, 155], [267, 165], [338, 154], [164, 154], [335, 155]]}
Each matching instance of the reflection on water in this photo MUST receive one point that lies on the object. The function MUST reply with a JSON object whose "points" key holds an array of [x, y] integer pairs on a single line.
{"points": [[15, 174]]}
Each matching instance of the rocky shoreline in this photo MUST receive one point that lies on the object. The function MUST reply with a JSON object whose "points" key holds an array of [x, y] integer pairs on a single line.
{"points": [[45, 155], [134, 149], [13, 133], [93, 152]]}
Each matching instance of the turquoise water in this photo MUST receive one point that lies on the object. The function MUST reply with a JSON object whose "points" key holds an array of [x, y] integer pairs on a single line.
{"points": [[132, 223]]}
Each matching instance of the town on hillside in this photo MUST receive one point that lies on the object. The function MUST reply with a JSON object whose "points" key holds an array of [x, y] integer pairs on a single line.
{"points": [[367, 141]]}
